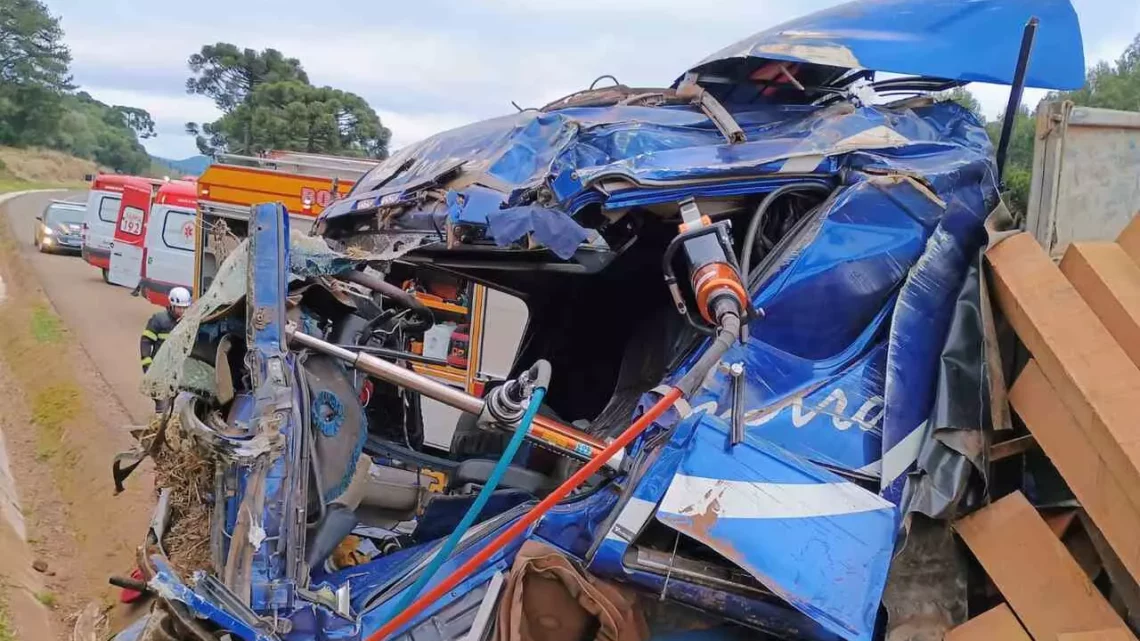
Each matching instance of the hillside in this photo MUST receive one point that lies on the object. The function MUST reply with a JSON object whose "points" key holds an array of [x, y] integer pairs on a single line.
{"points": [[34, 167], [192, 166]]}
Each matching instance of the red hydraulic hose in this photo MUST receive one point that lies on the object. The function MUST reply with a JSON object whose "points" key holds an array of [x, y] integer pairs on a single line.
{"points": [[520, 526]]}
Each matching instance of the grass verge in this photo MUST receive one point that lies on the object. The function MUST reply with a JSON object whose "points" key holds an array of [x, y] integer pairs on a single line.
{"points": [[6, 633], [8, 183], [48, 598], [46, 326], [29, 345]]}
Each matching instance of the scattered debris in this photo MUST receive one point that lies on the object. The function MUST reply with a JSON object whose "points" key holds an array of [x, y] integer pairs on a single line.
{"points": [[89, 625], [39, 565], [998, 623]]}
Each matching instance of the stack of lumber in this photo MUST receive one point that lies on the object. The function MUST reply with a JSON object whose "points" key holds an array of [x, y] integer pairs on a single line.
{"points": [[1079, 397]]}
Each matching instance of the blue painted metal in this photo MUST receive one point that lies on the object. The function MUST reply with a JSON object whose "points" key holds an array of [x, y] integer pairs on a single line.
{"points": [[821, 365], [273, 482], [379, 604], [665, 153], [767, 615], [975, 41], [818, 541], [835, 419], [208, 605]]}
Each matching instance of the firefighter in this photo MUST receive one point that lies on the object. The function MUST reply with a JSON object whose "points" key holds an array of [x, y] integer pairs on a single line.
{"points": [[159, 326]]}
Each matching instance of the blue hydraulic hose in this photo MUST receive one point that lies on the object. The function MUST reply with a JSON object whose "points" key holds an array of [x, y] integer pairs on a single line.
{"points": [[448, 548]]}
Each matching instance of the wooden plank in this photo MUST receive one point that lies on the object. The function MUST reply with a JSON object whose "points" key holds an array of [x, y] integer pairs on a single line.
{"points": [[1125, 593], [1093, 376], [1082, 466], [1115, 634], [1129, 239], [992, 625], [1033, 570], [1011, 447], [1109, 281]]}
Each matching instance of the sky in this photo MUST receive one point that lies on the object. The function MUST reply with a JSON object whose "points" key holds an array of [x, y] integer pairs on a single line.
{"points": [[431, 65]]}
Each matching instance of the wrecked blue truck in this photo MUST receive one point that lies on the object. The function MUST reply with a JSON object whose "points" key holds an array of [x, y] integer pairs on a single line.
{"points": [[753, 356]]}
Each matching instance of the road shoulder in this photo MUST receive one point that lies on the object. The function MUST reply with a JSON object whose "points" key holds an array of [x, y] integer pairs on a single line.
{"points": [[62, 426]]}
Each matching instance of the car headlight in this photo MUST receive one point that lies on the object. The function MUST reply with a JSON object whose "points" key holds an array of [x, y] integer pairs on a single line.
{"points": [[48, 231]]}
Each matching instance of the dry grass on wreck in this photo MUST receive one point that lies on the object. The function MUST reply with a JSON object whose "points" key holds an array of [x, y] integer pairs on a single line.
{"points": [[190, 477]]}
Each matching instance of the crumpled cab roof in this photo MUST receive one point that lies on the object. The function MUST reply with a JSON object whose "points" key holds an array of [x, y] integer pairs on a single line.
{"points": [[964, 40]]}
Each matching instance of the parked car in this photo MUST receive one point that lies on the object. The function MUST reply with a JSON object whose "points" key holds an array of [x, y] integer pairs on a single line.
{"points": [[60, 227]]}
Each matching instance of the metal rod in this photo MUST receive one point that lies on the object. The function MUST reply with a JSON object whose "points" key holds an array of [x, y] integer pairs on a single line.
{"points": [[737, 372], [545, 431], [393, 373], [1014, 104], [396, 354]]}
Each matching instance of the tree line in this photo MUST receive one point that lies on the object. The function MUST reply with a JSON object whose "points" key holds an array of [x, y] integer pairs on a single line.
{"points": [[40, 106], [268, 103], [266, 99], [1108, 85]]}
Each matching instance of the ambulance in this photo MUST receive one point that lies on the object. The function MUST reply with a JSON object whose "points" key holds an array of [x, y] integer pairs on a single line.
{"points": [[128, 243], [102, 215], [169, 241]]}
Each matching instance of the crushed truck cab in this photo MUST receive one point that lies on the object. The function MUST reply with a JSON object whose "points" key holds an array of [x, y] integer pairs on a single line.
{"points": [[754, 292]]}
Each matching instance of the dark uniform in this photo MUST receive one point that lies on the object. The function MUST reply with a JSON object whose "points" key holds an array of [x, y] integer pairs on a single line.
{"points": [[156, 332]]}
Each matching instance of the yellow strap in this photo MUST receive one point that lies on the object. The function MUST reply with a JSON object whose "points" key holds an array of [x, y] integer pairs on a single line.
{"points": [[147, 361], [163, 337], [149, 334]]}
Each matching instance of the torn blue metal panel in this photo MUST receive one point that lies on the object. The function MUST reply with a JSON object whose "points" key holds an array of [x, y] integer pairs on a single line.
{"points": [[976, 41], [574, 524], [552, 228], [208, 600], [652, 148], [839, 272], [617, 539], [771, 617], [269, 541], [379, 605], [818, 541]]}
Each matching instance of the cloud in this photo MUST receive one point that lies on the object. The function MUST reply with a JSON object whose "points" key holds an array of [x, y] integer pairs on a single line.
{"points": [[178, 108], [412, 127], [432, 65], [170, 114]]}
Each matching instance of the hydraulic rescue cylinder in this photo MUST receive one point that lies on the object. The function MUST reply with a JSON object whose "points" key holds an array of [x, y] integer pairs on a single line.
{"points": [[544, 432]]}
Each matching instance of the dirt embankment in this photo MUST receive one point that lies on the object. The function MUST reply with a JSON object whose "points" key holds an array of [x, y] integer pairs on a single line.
{"points": [[44, 166], [62, 426]]}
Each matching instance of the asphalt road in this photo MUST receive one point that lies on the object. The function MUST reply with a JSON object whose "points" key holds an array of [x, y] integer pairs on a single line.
{"points": [[106, 319]]}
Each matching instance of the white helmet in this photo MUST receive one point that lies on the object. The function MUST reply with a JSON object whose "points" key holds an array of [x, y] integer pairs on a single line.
{"points": [[179, 297]]}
